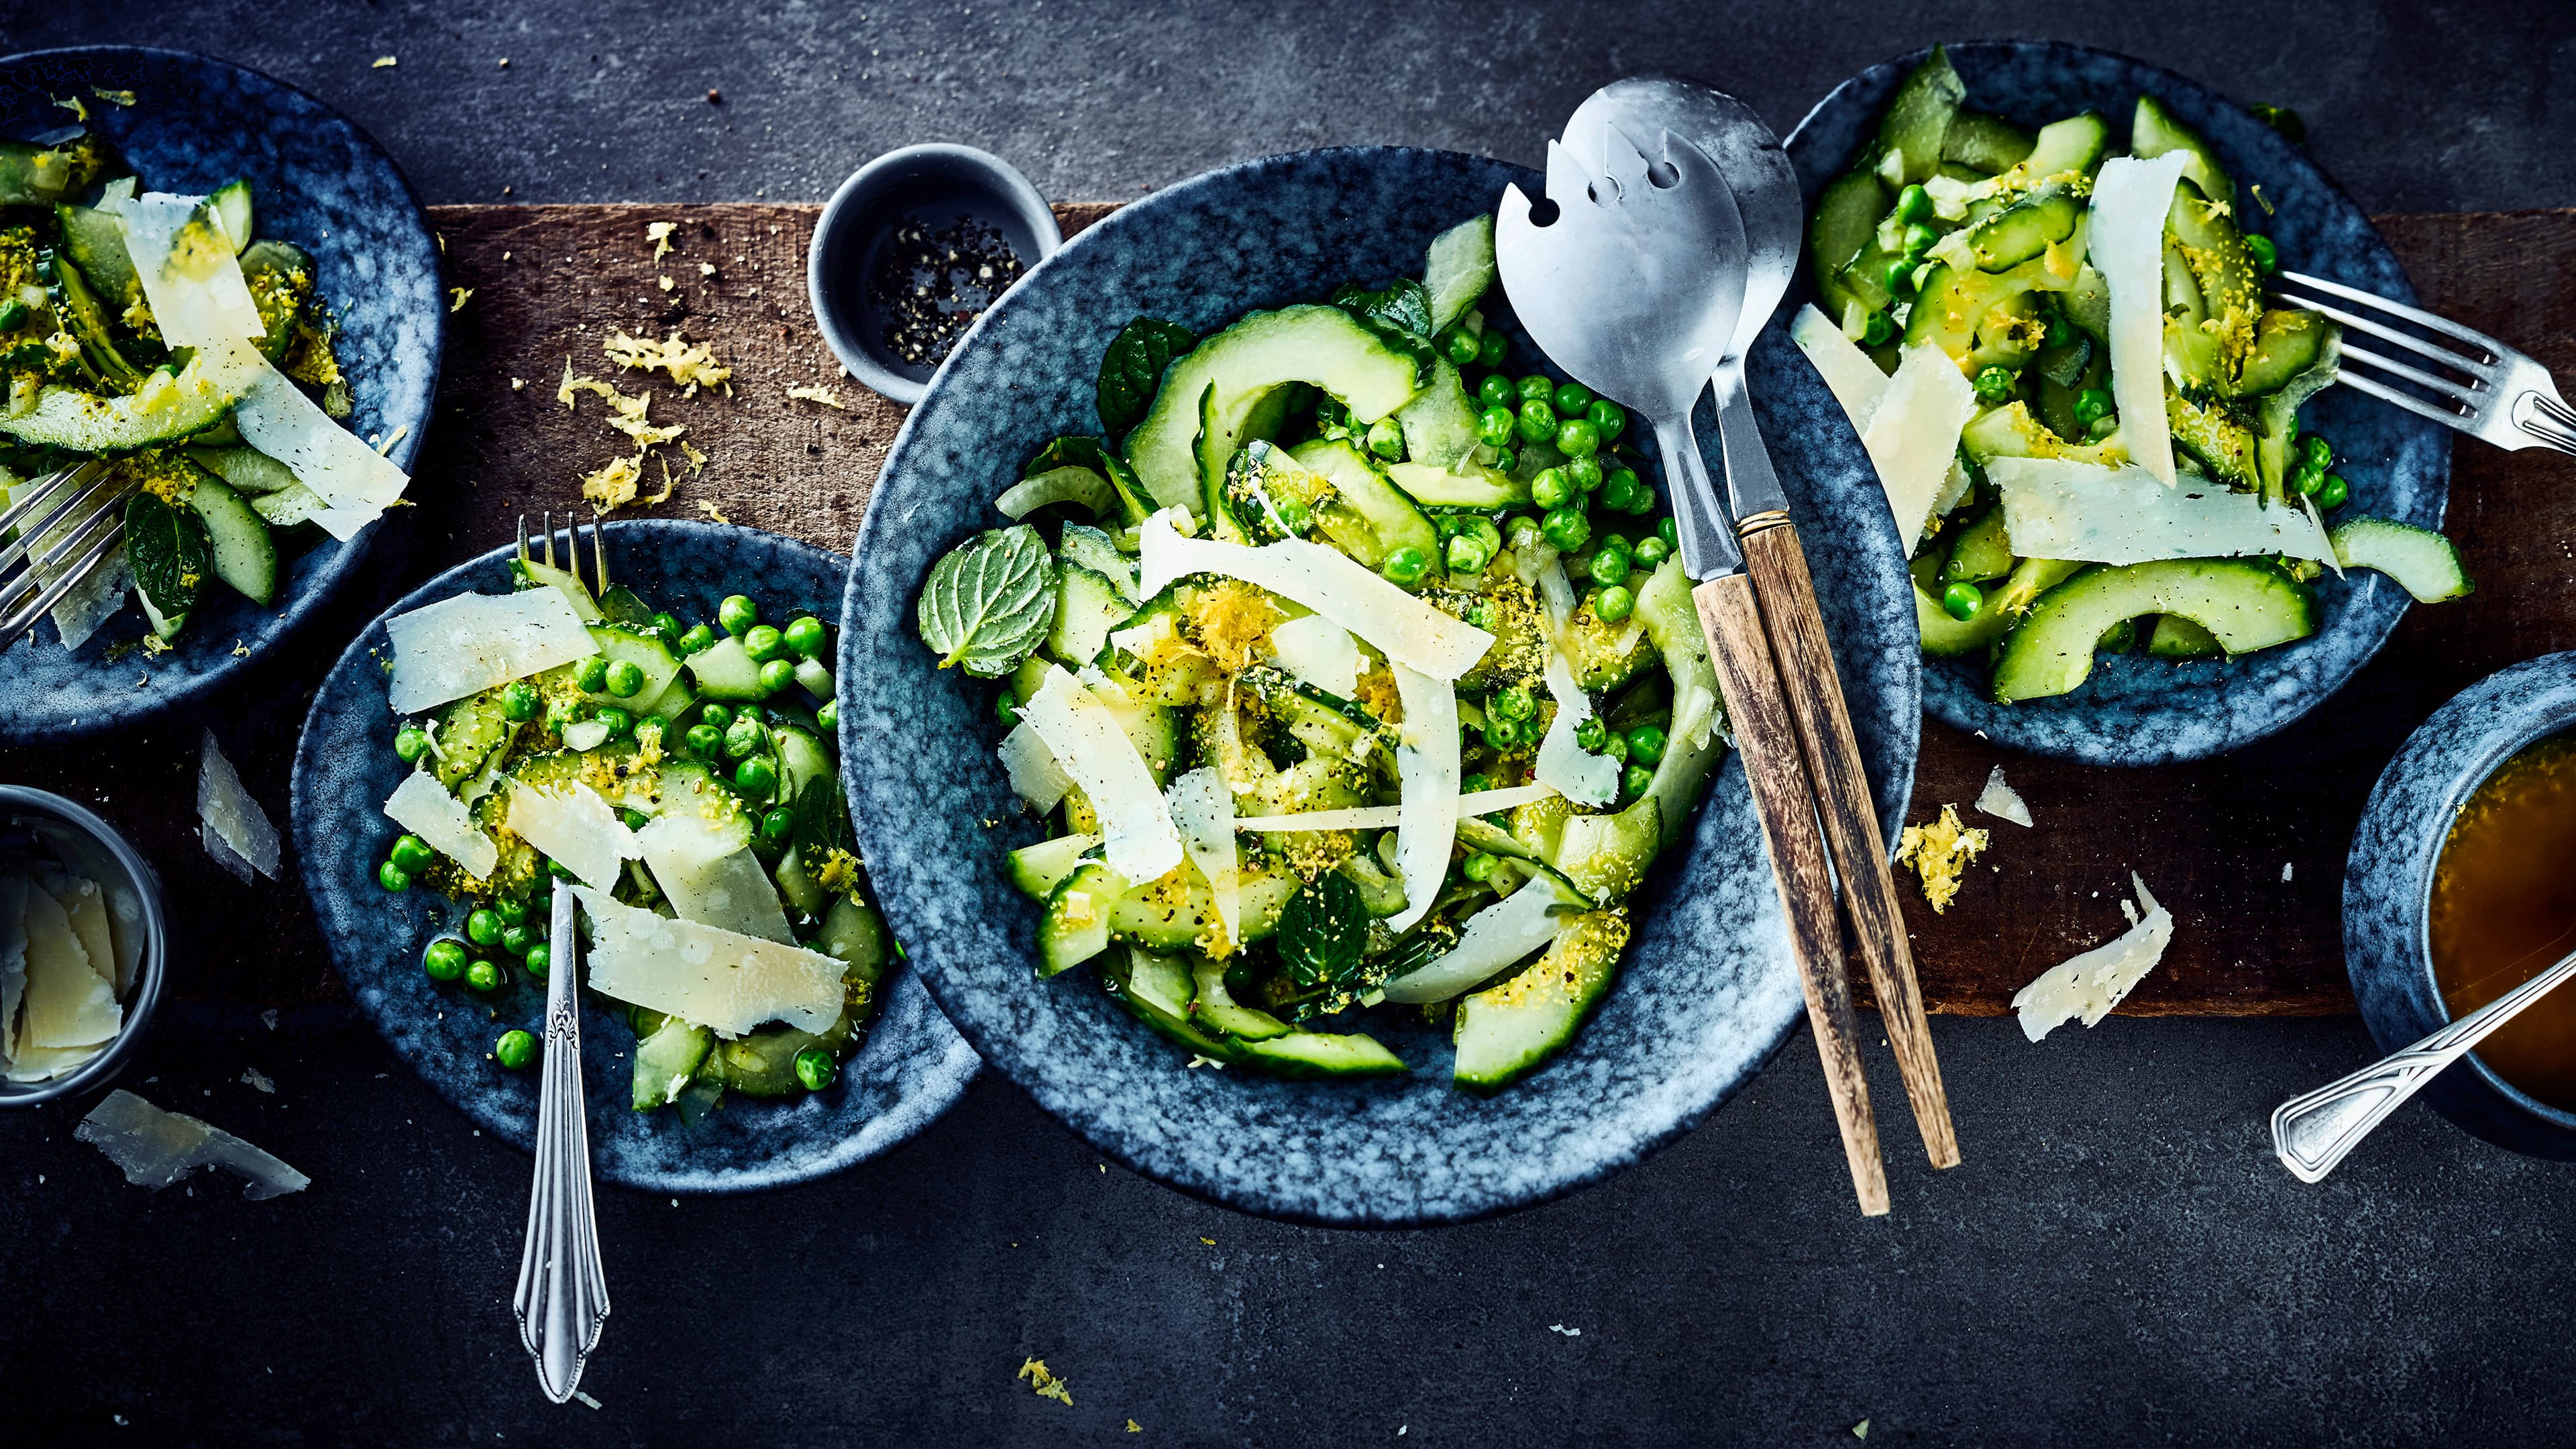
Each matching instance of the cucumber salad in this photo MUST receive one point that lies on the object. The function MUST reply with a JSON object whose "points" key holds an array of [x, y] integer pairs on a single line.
{"points": [[162, 337], [2061, 359], [683, 783], [1352, 674]]}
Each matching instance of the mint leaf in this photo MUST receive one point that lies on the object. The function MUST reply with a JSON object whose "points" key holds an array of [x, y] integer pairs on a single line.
{"points": [[1322, 931], [989, 600], [1131, 371], [1404, 305], [166, 547], [1074, 451]]}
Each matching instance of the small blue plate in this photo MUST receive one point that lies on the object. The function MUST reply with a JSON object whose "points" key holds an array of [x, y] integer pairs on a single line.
{"points": [[2388, 888], [2135, 710], [317, 181], [1706, 993], [911, 1069]]}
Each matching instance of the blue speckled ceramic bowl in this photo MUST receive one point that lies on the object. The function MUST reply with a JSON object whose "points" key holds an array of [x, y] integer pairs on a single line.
{"points": [[2136, 710], [2388, 888], [317, 181], [1707, 992], [911, 1069]]}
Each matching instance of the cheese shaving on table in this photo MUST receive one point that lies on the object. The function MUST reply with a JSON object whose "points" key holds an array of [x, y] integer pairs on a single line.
{"points": [[1320, 652], [1333, 584], [2065, 509], [2131, 198], [443, 823], [1913, 434], [1140, 840], [1496, 937], [470, 643], [2002, 801], [1385, 817], [229, 811], [154, 1148], [1577, 773], [1939, 853], [1427, 774], [719, 979], [575, 827], [1203, 808], [1849, 375], [2090, 984]]}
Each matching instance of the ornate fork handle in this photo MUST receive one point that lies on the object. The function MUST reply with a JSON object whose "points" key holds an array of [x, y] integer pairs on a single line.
{"points": [[2546, 418], [2314, 1132], [563, 1291]]}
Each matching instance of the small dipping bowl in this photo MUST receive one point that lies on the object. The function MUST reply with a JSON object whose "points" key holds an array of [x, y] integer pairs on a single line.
{"points": [[93, 847], [934, 184], [2388, 889]]}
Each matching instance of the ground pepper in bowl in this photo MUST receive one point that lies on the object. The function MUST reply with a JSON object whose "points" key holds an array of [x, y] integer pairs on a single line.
{"points": [[930, 286]]}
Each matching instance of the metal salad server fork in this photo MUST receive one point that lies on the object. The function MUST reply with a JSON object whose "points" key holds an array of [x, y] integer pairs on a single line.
{"points": [[1765, 186], [1633, 283], [562, 1300], [2314, 1132], [2500, 396], [65, 525]]}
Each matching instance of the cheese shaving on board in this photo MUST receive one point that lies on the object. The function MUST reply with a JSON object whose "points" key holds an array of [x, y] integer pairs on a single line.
{"points": [[1326, 580], [1385, 817], [470, 643], [1035, 776], [707, 869], [1849, 375], [718, 979], [2064, 509], [1913, 434], [229, 811], [2130, 200], [575, 827], [1320, 652], [155, 1148], [1427, 774], [443, 823], [1496, 938], [2089, 985], [1140, 841], [2002, 801], [1203, 808]]}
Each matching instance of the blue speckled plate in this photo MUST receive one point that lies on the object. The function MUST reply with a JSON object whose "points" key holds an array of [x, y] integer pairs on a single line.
{"points": [[317, 181], [1707, 992], [911, 1069], [2136, 710], [2388, 888]]}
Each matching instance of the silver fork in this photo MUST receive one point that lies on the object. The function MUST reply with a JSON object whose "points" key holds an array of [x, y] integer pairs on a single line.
{"points": [[65, 525], [562, 1300], [2498, 395]]}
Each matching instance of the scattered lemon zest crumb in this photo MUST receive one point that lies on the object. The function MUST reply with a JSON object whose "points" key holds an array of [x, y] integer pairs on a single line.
{"points": [[1211, 1242], [113, 98], [1939, 852], [613, 486], [712, 511], [706, 269], [457, 297], [154, 644], [659, 234], [240, 650], [74, 106], [1135, 1428], [691, 364], [1046, 1383], [382, 62], [665, 283], [697, 460], [823, 395]]}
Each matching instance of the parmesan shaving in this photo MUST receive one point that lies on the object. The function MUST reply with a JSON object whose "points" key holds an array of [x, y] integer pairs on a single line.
{"points": [[229, 811], [575, 827], [1575, 772], [707, 869], [1320, 652], [154, 1148], [1035, 776], [1849, 375], [1496, 938], [2091, 984], [2130, 200], [443, 823], [2002, 801], [1203, 808], [1427, 770], [69, 1002], [2064, 509], [1913, 434], [1139, 840], [472, 642], [13, 963], [716, 978], [1326, 580]]}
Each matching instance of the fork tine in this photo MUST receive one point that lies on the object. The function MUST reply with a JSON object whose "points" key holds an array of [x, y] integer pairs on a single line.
{"points": [[1566, 178], [2447, 417], [2443, 385], [2418, 345], [523, 538], [599, 551], [548, 524], [1625, 160], [71, 578], [28, 534], [36, 490], [2495, 351]]}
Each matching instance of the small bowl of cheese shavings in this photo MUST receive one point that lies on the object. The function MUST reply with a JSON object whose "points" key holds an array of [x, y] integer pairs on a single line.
{"points": [[81, 948]]}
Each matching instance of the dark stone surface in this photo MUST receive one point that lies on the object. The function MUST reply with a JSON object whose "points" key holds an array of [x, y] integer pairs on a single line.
{"points": [[2118, 1259]]}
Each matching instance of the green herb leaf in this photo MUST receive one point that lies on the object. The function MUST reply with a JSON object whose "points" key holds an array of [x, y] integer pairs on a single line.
{"points": [[1100, 458], [1322, 931], [1131, 371], [823, 824], [1404, 305], [166, 548], [989, 601]]}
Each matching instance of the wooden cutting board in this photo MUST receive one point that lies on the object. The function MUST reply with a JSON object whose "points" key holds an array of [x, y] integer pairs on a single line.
{"points": [[547, 284]]}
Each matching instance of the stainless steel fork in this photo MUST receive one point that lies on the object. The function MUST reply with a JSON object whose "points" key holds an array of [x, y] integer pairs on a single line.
{"points": [[562, 1300], [58, 531], [2483, 388]]}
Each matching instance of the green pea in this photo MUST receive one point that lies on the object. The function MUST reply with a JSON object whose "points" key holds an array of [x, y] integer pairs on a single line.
{"points": [[698, 640], [1646, 744], [756, 777], [1670, 533], [829, 716], [1900, 278], [778, 824], [1537, 388], [539, 958], [1470, 784], [514, 1050], [2335, 493], [1512, 702], [737, 614], [2267, 256], [1501, 733], [805, 637], [635, 820], [703, 739], [625, 679], [1567, 528], [776, 675], [1918, 240], [1496, 392], [1913, 204], [393, 877], [1550, 488], [512, 910], [412, 853], [444, 960], [1460, 346], [815, 1069], [1571, 399], [12, 312], [619, 722], [1995, 384], [1962, 600], [1609, 566], [517, 939], [1406, 566], [1619, 490], [1592, 734], [1493, 347], [2307, 479], [2314, 449], [764, 642], [1608, 418], [1523, 533], [2091, 404], [1478, 866], [745, 737], [1495, 425], [1616, 747], [483, 927], [1469, 554], [1636, 780], [1652, 550], [1505, 460], [666, 625], [520, 701], [1537, 420], [1577, 438], [482, 975], [1878, 331], [410, 743], [591, 675], [1614, 603], [715, 714]]}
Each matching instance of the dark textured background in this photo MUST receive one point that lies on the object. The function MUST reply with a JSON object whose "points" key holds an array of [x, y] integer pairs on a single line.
{"points": [[2118, 1260]]}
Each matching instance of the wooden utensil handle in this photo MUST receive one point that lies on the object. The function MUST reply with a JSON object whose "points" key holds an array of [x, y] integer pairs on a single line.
{"points": [[1783, 804], [1777, 566]]}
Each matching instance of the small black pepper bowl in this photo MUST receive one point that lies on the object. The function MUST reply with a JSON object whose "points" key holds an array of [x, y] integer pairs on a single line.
{"points": [[2388, 888], [927, 188], [83, 842]]}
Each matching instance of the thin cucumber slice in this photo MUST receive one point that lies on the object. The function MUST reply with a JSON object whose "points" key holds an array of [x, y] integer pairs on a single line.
{"points": [[1067, 484], [237, 540], [2424, 563], [532, 575], [2026, 228], [801, 759], [1439, 424], [1918, 119], [665, 1061], [1458, 268], [247, 469], [1476, 487], [95, 241], [1092, 549], [471, 732], [1366, 517], [1317, 1054], [1505, 1031], [2075, 144], [88, 319], [1215, 1008], [2179, 638], [1038, 869], [1985, 143], [797, 883], [231, 202], [1948, 638], [1076, 925], [1980, 552], [2153, 131], [1847, 216], [1087, 608], [280, 276], [2245, 606], [645, 651], [725, 670]]}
